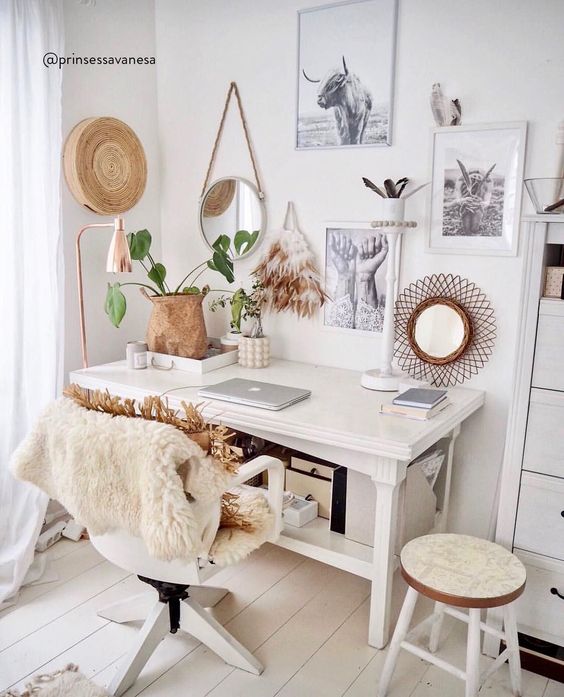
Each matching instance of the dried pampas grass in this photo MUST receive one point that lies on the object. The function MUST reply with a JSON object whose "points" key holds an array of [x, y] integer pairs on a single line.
{"points": [[212, 439], [289, 274]]}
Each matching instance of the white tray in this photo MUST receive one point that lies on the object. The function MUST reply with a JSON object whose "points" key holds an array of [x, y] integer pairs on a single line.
{"points": [[212, 360]]}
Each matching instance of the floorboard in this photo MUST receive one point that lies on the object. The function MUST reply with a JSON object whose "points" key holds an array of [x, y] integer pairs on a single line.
{"points": [[306, 621]]}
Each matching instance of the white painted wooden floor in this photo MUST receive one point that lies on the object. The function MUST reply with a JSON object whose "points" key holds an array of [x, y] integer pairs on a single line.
{"points": [[305, 621]]}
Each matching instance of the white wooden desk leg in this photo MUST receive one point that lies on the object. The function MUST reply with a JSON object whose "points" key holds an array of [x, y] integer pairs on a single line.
{"points": [[386, 523]]}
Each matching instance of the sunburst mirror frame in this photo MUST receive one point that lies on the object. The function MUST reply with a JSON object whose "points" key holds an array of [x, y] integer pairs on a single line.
{"points": [[478, 319]]}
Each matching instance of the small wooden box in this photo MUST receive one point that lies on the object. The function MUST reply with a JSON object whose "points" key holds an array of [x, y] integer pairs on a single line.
{"points": [[554, 282]]}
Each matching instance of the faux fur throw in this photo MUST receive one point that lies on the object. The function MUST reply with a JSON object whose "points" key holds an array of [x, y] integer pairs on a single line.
{"points": [[113, 472]]}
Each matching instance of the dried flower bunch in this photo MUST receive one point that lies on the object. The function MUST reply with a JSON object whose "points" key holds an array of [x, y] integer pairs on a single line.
{"points": [[212, 439]]}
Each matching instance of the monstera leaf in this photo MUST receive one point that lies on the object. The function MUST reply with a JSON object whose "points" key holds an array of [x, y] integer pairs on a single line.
{"points": [[139, 244], [115, 304], [244, 241]]}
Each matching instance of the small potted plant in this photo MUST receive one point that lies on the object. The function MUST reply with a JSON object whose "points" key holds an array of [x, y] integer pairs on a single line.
{"points": [[230, 341], [393, 195], [254, 347], [176, 325]]}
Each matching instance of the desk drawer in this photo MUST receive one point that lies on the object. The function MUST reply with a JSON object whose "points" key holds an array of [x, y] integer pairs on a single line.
{"points": [[544, 444], [540, 515], [539, 609], [548, 370]]}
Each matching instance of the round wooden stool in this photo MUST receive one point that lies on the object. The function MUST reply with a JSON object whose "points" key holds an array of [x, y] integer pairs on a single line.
{"points": [[459, 571]]}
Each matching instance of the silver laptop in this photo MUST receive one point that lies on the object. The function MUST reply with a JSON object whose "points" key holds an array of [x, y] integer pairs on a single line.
{"points": [[252, 393]]}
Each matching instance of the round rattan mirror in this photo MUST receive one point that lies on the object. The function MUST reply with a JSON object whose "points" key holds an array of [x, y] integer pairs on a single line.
{"points": [[445, 329], [439, 330]]}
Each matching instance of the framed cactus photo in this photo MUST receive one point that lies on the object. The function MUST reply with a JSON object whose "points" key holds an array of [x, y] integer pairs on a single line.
{"points": [[475, 196]]}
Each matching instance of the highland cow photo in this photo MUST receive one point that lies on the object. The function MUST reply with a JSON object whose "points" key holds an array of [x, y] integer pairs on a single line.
{"points": [[346, 74], [476, 188]]}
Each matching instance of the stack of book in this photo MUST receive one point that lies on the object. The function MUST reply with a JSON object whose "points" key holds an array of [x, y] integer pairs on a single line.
{"points": [[415, 403]]}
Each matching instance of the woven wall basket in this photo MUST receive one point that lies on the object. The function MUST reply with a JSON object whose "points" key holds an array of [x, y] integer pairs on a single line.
{"points": [[105, 166]]}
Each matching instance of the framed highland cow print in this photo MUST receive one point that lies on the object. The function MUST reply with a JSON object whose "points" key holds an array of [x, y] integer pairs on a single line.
{"points": [[477, 178], [346, 56]]}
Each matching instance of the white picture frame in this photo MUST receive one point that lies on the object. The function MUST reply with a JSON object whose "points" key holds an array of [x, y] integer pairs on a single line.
{"points": [[361, 319], [366, 54], [486, 221]]}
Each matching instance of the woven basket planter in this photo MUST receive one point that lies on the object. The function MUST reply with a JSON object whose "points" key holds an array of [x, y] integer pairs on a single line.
{"points": [[177, 325], [254, 353]]}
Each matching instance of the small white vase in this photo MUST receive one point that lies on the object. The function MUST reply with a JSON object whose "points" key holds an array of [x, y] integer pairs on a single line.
{"points": [[393, 209], [254, 353]]}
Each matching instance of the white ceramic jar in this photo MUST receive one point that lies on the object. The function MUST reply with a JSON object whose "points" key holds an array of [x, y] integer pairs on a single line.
{"points": [[254, 353]]}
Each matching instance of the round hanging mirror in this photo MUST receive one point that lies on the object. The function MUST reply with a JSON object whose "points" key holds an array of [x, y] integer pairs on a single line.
{"points": [[232, 215], [439, 330]]}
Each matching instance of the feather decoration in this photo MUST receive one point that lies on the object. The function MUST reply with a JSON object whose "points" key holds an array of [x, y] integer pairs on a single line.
{"points": [[288, 272]]}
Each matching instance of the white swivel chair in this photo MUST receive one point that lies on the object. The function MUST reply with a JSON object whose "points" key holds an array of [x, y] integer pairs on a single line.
{"points": [[181, 597]]}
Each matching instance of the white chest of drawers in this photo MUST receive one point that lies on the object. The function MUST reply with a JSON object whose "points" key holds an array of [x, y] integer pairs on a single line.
{"points": [[531, 506]]}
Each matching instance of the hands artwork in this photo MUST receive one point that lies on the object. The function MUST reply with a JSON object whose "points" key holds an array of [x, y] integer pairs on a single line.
{"points": [[356, 298]]}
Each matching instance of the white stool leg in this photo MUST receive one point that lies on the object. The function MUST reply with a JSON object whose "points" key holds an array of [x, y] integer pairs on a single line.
{"points": [[151, 634], [473, 653], [436, 628], [400, 633], [512, 641]]}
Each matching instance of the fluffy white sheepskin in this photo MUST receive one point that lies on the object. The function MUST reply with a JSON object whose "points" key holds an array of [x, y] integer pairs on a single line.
{"points": [[114, 473]]}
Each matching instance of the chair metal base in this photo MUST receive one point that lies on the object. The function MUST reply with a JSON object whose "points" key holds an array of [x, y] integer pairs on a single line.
{"points": [[176, 608]]}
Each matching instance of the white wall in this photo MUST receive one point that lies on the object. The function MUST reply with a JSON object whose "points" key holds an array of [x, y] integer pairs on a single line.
{"points": [[504, 60], [128, 92]]}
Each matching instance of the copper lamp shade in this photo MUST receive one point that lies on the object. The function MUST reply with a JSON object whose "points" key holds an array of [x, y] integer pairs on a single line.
{"points": [[119, 258]]}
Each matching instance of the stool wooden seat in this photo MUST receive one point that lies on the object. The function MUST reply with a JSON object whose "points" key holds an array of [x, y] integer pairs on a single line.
{"points": [[459, 571]]}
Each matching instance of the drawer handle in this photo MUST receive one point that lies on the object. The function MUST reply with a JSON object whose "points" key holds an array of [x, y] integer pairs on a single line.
{"points": [[562, 513], [554, 591]]}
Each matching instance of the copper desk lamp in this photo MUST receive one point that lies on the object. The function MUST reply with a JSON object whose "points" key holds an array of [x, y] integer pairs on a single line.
{"points": [[118, 261]]}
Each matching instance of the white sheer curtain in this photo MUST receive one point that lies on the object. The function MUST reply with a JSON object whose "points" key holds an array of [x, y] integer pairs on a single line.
{"points": [[31, 301]]}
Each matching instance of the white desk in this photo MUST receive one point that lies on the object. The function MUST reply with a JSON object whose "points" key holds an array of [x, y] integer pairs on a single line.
{"points": [[339, 423]]}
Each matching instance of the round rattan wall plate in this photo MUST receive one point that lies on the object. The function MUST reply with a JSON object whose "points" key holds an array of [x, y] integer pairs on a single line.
{"points": [[105, 166], [479, 329]]}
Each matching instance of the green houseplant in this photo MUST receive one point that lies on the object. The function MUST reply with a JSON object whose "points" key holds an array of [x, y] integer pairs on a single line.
{"points": [[244, 306], [176, 325]]}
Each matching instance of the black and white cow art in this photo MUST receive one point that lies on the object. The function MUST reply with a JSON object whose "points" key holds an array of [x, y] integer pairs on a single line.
{"points": [[352, 103]]}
